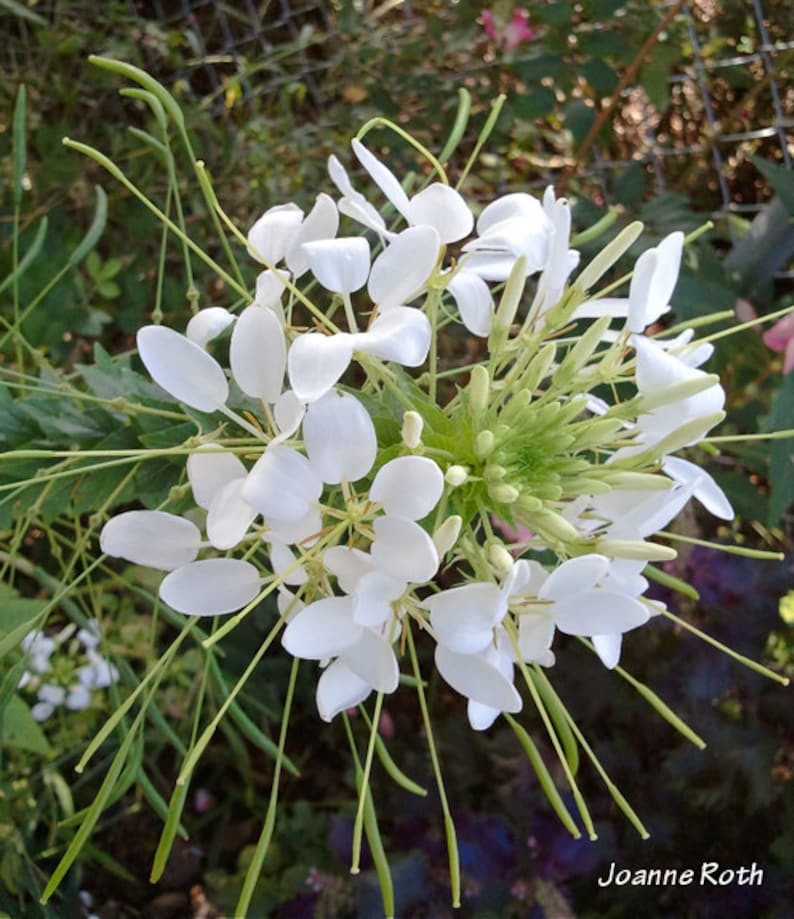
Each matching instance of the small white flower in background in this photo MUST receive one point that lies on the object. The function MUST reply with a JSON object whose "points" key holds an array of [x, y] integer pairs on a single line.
{"points": [[64, 673]]}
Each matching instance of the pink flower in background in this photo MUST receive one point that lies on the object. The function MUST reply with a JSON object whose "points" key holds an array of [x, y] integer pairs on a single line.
{"points": [[511, 35], [781, 338]]}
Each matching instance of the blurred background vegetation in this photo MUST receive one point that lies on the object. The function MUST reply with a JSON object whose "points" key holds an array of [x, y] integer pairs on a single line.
{"points": [[673, 113]]}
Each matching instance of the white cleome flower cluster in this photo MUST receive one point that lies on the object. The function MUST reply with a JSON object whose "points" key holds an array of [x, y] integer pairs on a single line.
{"points": [[64, 669], [380, 506]]}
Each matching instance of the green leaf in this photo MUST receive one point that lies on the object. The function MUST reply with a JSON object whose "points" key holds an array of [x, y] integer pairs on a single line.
{"points": [[542, 65], [655, 74], [579, 118], [18, 618], [108, 289], [93, 265], [781, 180], [600, 76], [535, 104], [631, 184], [21, 730], [555, 14], [19, 145]]}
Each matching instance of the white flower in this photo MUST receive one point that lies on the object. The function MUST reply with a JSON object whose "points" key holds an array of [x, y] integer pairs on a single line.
{"points": [[652, 283], [316, 362], [657, 371], [282, 230], [437, 206], [509, 227], [183, 368]]}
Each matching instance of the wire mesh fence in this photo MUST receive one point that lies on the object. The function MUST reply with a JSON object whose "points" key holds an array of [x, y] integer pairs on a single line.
{"points": [[722, 109]]}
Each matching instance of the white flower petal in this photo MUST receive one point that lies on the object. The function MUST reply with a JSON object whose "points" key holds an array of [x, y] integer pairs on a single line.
{"points": [[282, 485], [477, 679], [464, 618], [183, 369], [339, 689], [340, 438], [269, 288], [402, 549], [574, 576], [374, 594], [535, 635], [474, 301], [322, 629], [363, 212], [617, 307], [258, 353], [321, 222], [41, 711], [282, 558], [372, 659], [401, 271], [79, 698], [710, 495], [340, 265], [304, 531], [208, 324], [401, 335], [640, 291], [209, 469], [288, 413], [517, 204], [408, 486], [229, 516], [348, 565], [316, 362], [608, 649], [492, 266], [481, 717], [668, 264], [211, 587], [270, 236], [151, 538], [442, 208], [51, 693], [599, 612], [383, 177]]}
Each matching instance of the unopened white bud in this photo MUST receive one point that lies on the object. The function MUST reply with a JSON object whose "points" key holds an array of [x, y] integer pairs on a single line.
{"points": [[484, 444], [500, 558], [636, 549], [607, 257], [412, 429], [557, 526], [447, 534], [456, 476], [494, 473], [503, 494]]}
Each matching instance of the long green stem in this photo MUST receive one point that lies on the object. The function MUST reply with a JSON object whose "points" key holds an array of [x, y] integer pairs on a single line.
{"points": [[449, 825]]}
